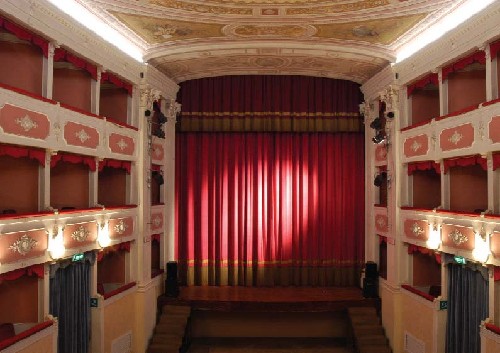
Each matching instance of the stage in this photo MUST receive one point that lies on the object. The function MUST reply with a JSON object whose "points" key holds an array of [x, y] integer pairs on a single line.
{"points": [[268, 299]]}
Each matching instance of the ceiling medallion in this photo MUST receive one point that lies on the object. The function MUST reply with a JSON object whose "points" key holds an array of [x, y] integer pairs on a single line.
{"points": [[82, 135], [457, 237], [26, 123], [120, 227], [363, 31], [416, 230], [23, 245], [80, 234]]}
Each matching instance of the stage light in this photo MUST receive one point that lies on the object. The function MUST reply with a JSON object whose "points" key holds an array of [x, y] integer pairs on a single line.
{"points": [[158, 177], [390, 115], [376, 124], [380, 179], [380, 137], [147, 113]]}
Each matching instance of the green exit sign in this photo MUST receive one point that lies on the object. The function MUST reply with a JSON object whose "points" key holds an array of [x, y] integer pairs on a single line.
{"points": [[443, 304], [77, 257], [460, 260]]}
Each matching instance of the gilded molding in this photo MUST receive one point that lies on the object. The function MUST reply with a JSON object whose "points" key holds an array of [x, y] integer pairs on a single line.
{"points": [[457, 237], [23, 245], [26, 123], [416, 230], [120, 227], [80, 234]]}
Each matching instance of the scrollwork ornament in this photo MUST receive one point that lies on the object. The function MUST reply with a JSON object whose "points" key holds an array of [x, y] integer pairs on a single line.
{"points": [[416, 230], [23, 245], [390, 97], [80, 234], [120, 227], [457, 237]]}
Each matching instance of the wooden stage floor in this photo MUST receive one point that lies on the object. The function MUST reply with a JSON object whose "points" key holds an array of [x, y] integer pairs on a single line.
{"points": [[303, 299]]}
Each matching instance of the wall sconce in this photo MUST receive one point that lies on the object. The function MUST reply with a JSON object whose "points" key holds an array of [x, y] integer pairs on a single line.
{"points": [[434, 240], [481, 250], [376, 124], [56, 243], [103, 238]]}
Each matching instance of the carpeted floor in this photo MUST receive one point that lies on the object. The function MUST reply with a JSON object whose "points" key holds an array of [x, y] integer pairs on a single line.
{"points": [[268, 345]]}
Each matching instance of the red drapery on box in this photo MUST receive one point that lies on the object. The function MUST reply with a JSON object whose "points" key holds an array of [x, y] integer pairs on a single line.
{"points": [[61, 54], [20, 152], [496, 160], [118, 82], [465, 162], [497, 273], [254, 206], [269, 104], [479, 56], [34, 270], [427, 165], [75, 159], [155, 237], [114, 163], [155, 168], [23, 34], [431, 78], [415, 248], [125, 246], [494, 49]]}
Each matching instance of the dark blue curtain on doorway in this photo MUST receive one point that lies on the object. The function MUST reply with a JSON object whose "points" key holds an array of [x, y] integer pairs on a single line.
{"points": [[70, 303], [467, 306]]}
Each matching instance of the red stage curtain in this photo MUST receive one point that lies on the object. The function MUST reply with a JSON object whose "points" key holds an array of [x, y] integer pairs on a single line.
{"points": [[270, 104], [496, 160], [270, 208]]}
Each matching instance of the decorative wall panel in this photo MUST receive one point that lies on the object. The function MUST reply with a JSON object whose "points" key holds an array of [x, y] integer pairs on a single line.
{"points": [[19, 246], [121, 227], [18, 121], [80, 234], [81, 135], [121, 144], [457, 137], [416, 146]]}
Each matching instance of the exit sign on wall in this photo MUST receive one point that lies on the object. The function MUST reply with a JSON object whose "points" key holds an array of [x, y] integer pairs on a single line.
{"points": [[443, 304]]}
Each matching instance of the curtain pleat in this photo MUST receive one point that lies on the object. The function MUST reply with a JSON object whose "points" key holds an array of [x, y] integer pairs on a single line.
{"points": [[265, 209], [70, 303], [467, 307]]}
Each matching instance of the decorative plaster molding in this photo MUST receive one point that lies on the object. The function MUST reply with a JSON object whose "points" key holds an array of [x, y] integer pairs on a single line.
{"points": [[458, 237], [416, 230], [26, 123], [378, 82], [23, 245], [160, 82], [121, 227], [481, 28], [80, 234]]}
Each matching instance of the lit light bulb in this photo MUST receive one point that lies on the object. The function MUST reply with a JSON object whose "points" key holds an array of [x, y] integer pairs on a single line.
{"points": [[103, 235], [434, 240], [56, 244], [481, 250]]}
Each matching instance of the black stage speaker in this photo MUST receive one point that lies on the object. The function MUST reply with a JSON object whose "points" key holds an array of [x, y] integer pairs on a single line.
{"points": [[371, 270], [172, 283], [370, 287]]}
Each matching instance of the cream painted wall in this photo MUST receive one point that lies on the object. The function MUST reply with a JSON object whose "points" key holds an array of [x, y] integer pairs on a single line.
{"points": [[119, 318], [44, 345], [391, 316], [491, 346]]}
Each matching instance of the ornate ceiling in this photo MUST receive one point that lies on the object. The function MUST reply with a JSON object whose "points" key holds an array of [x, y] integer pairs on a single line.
{"points": [[348, 39]]}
